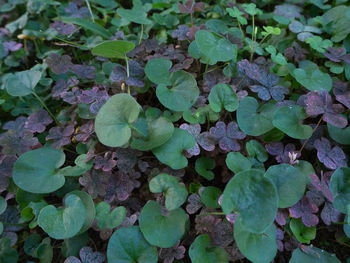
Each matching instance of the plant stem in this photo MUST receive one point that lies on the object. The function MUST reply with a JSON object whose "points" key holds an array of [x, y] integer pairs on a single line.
{"points": [[252, 44], [127, 71], [205, 72], [141, 34], [47, 109], [89, 7], [63, 40], [305, 142], [192, 29]]}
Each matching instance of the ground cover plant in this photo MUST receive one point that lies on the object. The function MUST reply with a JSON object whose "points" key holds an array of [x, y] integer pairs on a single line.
{"points": [[174, 131]]}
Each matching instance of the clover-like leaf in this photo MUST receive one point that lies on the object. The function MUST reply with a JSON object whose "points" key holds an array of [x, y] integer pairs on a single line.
{"points": [[63, 223], [289, 182], [175, 193], [113, 121], [87, 255], [35, 171], [201, 251], [256, 247], [128, 245], [254, 197], [203, 167], [138, 14], [182, 94], [288, 118], [340, 188], [331, 157], [22, 83], [170, 153], [305, 209], [313, 255], [255, 149], [253, 119], [157, 70], [223, 96], [235, 13], [303, 233], [107, 218], [113, 49], [237, 162], [162, 230]]}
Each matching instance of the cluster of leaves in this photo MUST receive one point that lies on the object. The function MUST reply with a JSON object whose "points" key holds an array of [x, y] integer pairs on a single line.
{"points": [[121, 119]]}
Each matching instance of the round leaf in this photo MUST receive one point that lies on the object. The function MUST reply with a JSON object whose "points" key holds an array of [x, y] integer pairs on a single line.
{"points": [[254, 197], [63, 223], [313, 255], [338, 134], [290, 184], [303, 233], [159, 230], [112, 124], [107, 218], [182, 94], [157, 70], [223, 96], [22, 83], [255, 149], [288, 118], [113, 49], [203, 166], [127, 245], [35, 171], [340, 188], [170, 153], [210, 196], [236, 162]]}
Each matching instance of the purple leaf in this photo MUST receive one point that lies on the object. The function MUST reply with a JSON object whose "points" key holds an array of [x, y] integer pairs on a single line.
{"points": [[295, 52], [207, 141], [38, 121], [72, 10], [306, 210], [118, 74], [60, 135], [85, 132], [72, 259], [329, 214], [341, 91], [95, 182], [88, 256], [332, 158], [62, 28], [322, 185], [84, 71], [288, 10], [194, 204], [226, 136], [194, 129], [337, 55], [59, 64], [71, 97], [281, 217], [127, 159], [16, 125], [119, 35], [175, 252], [181, 33], [14, 143], [11, 45], [106, 163], [282, 153]]}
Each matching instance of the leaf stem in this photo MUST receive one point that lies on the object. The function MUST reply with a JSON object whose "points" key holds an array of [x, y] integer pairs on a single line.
{"points": [[89, 7], [252, 44], [127, 71], [205, 72], [141, 35], [306, 141], [45, 106], [63, 40]]}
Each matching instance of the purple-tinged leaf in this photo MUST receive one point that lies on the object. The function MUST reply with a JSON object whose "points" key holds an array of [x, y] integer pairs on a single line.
{"points": [[207, 141], [60, 87], [288, 10], [181, 33], [279, 239], [329, 214], [88, 256], [16, 125], [295, 52], [12, 217], [341, 91], [72, 97], [12, 45], [126, 159], [334, 54], [222, 234], [72, 10], [95, 183], [194, 129], [118, 74], [315, 197], [281, 152], [194, 204], [332, 158], [306, 210], [322, 185], [60, 135], [189, 7], [119, 35], [62, 28], [59, 64], [106, 163], [38, 121], [84, 71], [226, 136], [6, 165], [85, 132], [281, 217], [175, 252], [72, 259], [14, 143]]}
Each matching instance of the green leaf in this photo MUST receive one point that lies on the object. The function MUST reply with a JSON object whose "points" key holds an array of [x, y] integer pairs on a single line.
{"points": [[236, 162], [289, 182], [253, 119], [210, 196], [214, 48], [127, 245], [7, 253], [313, 255], [162, 230], [306, 169], [113, 49], [159, 132], [202, 252], [112, 124], [223, 96], [182, 94], [72, 246], [175, 193], [107, 218], [255, 149], [45, 251], [63, 223], [235, 13], [340, 188], [157, 70], [319, 44], [288, 118], [3, 205], [137, 14], [87, 25], [269, 30], [203, 166], [22, 83], [303, 233], [35, 171], [338, 134], [254, 197], [170, 153], [258, 248]]}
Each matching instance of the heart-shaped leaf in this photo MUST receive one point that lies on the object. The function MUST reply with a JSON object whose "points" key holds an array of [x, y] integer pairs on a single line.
{"points": [[36, 171], [113, 49], [252, 119], [338, 134], [63, 223], [107, 218], [258, 248], [175, 193], [22, 83], [157, 70], [202, 252], [254, 197], [255, 149], [303, 233], [237, 162], [340, 188], [203, 166], [138, 14], [223, 96], [290, 184], [210, 196], [162, 230], [170, 153], [128, 245], [113, 121], [182, 94], [288, 118], [313, 255]]}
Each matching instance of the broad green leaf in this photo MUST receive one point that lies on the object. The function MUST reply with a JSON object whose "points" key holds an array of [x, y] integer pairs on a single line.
{"points": [[171, 152], [63, 223], [253, 119], [160, 131], [338, 134], [107, 218], [313, 255], [210, 196], [22, 83], [113, 49], [157, 70], [288, 119], [113, 121], [7, 253], [31, 212], [202, 252], [182, 94], [3, 205], [127, 245], [258, 248], [162, 230], [303, 233], [235, 13], [88, 25], [137, 14], [72, 246], [237, 162], [254, 197], [337, 20], [175, 193], [289, 182], [36, 171], [45, 251], [203, 167], [255, 149], [306, 169], [340, 188], [223, 96]]}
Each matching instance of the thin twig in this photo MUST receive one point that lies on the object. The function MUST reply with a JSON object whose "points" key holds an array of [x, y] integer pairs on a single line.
{"points": [[306, 141]]}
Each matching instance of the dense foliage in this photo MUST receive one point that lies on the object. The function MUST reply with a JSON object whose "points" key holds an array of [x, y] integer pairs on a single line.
{"points": [[174, 131]]}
